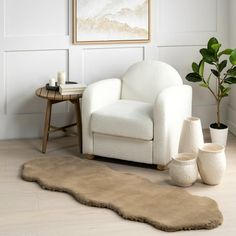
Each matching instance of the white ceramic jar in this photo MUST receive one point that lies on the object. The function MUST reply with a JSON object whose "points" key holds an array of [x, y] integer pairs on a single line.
{"points": [[211, 163], [183, 169]]}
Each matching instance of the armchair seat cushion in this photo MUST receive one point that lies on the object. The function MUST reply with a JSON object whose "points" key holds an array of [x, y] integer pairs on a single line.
{"points": [[125, 118]]}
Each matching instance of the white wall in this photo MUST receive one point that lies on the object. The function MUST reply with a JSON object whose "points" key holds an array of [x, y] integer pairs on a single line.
{"points": [[232, 42], [35, 43]]}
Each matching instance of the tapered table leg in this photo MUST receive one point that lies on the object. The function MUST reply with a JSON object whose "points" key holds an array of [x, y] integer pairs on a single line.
{"points": [[79, 123], [47, 125]]}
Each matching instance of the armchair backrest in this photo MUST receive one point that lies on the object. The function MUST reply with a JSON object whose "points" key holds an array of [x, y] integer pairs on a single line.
{"points": [[144, 80]]}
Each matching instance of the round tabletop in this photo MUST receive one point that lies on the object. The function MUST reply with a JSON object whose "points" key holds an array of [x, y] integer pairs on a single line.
{"points": [[55, 95]]}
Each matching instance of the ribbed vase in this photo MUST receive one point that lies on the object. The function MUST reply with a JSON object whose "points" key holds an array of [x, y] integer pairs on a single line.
{"points": [[191, 138]]}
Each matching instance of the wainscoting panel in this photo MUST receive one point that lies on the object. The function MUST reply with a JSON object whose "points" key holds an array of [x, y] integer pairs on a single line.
{"points": [[25, 72], [29, 125], [232, 109], [188, 16], [2, 26], [32, 43], [2, 84], [233, 97], [208, 113], [232, 44], [76, 62], [191, 22], [44, 17], [181, 58], [232, 119], [109, 62]]}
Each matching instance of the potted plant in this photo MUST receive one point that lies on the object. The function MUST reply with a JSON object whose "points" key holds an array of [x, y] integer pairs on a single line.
{"points": [[223, 68]]}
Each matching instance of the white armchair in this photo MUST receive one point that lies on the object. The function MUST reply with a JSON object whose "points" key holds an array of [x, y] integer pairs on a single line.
{"points": [[136, 118]]}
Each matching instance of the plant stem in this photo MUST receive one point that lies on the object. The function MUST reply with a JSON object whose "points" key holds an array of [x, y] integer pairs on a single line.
{"points": [[218, 100], [210, 89], [218, 96], [218, 113]]}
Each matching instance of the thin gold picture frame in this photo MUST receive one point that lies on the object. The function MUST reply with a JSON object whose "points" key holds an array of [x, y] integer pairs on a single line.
{"points": [[75, 39]]}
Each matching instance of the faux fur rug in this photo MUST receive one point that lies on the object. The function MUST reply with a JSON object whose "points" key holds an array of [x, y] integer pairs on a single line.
{"points": [[131, 196]]}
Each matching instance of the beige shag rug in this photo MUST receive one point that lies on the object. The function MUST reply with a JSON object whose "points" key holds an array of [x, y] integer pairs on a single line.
{"points": [[131, 196]]}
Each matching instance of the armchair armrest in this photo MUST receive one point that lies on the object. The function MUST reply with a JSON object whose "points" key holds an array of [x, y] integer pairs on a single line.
{"points": [[96, 96], [171, 107]]}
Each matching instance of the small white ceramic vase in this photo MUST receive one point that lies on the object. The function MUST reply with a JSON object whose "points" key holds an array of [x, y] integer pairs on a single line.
{"points": [[183, 169], [219, 136], [211, 163], [191, 137]]}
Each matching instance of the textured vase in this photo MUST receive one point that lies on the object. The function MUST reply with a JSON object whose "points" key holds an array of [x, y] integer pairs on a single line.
{"points": [[211, 163], [183, 169], [191, 138], [219, 136]]}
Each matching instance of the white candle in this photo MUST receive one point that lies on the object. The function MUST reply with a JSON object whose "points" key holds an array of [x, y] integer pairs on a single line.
{"points": [[61, 78], [52, 82]]}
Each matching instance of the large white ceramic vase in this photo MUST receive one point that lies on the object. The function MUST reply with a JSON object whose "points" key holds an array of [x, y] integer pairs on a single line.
{"points": [[211, 163], [191, 137]]}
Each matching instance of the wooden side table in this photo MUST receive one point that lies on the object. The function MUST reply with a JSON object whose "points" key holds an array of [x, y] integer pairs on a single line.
{"points": [[52, 98]]}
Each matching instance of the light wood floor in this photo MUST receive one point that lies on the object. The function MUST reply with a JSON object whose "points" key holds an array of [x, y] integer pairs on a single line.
{"points": [[27, 210]]}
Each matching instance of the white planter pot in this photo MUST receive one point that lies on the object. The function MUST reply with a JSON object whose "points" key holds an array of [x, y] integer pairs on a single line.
{"points": [[211, 163], [191, 137], [219, 136], [183, 169]]}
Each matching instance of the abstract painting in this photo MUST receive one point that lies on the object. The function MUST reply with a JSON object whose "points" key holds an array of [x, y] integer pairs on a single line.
{"points": [[111, 21]]}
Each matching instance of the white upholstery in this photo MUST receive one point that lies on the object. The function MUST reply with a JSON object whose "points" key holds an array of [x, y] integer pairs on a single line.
{"points": [[124, 118], [138, 118], [96, 96], [120, 147], [171, 107], [145, 80]]}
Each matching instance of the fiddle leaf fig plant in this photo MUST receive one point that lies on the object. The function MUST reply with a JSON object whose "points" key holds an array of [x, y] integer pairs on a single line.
{"points": [[222, 70]]}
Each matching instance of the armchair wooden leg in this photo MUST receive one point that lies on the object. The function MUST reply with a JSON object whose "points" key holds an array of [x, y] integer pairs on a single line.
{"points": [[162, 167], [88, 156]]}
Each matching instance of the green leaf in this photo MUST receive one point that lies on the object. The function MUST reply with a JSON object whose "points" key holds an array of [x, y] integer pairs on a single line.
{"points": [[232, 57], [232, 71], [204, 85], [230, 80], [195, 67], [226, 94], [215, 72], [193, 77], [211, 42], [224, 91], [222, 65], [227, 51], [201, 68], [216, 47], [208, 55]]}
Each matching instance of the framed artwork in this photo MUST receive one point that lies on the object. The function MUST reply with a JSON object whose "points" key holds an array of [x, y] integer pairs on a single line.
{"points": [[111, 21]]}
